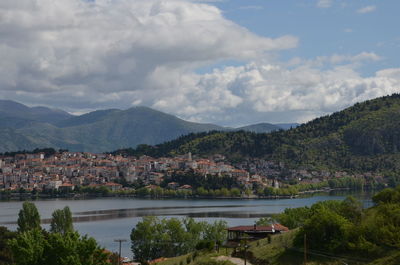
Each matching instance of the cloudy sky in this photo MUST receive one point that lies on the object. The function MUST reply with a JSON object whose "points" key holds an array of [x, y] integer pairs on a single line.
{"points": [[230, 62]]}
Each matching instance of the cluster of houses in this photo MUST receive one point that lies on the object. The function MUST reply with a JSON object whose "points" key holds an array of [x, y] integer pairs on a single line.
{"points": [[67, 170]]}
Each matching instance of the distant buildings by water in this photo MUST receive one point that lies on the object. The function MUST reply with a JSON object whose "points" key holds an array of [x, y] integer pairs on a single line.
{"points": [[67, 171]]}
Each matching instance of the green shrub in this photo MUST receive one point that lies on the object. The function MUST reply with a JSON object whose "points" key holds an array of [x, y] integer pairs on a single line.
{"points": [[205, 244]]}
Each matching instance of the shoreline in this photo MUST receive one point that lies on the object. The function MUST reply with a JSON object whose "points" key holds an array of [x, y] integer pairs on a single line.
{"points": [[81, 196]]}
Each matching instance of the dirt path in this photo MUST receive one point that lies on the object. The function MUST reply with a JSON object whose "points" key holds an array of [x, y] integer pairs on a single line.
{"points": [[236, 261]]}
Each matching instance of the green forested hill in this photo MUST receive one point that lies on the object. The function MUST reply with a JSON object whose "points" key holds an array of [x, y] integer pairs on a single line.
{"points": [[364, 137]]}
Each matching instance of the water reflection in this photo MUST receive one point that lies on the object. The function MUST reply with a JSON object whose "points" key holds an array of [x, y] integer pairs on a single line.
{"points": [[154, 209], [238, 210], [228, 215], [192, 211]]}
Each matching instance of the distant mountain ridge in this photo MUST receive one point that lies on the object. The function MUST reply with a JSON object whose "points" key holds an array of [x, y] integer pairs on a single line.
{"points": [[361, 138], [260, 128], [12, 109], [27, 128], [287, 126]]}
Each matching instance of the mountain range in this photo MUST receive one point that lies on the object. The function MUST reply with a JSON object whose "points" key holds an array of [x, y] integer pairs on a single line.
{"points": [[27, 128], [361, 138]]}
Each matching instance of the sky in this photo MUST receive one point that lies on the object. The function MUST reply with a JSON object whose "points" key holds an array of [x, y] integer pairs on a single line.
{"points": [[228, 62]]}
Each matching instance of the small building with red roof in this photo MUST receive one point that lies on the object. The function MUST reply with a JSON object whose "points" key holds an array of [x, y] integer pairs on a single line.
{"points": [[254, 232]]}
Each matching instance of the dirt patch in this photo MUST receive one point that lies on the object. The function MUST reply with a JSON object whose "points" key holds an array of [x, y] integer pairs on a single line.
{"points": [[236, 261]]}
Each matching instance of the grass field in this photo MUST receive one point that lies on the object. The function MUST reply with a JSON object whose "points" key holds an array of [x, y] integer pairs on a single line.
{"points": [[280, 250], [198, 258]]}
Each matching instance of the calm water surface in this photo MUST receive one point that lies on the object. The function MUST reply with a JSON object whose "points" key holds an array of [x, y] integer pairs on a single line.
{"points": [[107, 219]]}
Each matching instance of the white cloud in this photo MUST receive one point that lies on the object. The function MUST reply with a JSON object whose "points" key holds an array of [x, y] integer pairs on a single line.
{"points": [[366, 9], [309, 89], [92, 54], [81, 55], [276, 92], [324, 3]]}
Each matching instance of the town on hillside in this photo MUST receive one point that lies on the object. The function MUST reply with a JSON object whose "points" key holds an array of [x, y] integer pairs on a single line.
{"points": [[68, 171]]}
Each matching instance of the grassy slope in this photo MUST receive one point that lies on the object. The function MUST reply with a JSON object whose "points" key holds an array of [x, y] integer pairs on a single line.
{"points": [[282, 252], [201, 259]]}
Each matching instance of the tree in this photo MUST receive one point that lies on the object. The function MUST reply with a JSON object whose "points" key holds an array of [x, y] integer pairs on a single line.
{"points": [[28, 247], [195, 231], [5, 251], [175, 237], [248, 192], [145, 238], [264, 221], [235, 192], [153, 238], [36, 247], [72, 249], [381, 225], [293, 217], [216, 232], [352, 209], [142, 192], [387, 196], [28, 217], [62, 221], [326, 230]]}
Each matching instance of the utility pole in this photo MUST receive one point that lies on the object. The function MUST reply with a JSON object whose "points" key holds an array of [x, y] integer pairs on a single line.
{"points": [[245, 256], [305, 248], [245, 251], [120, 243]]}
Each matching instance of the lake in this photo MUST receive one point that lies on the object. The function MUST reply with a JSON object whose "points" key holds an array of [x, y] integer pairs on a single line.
{"points": [[107, 219]]}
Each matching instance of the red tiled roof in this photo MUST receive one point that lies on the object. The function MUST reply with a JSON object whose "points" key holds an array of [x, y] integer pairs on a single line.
{"points": [[185, 187], [67, 185], [112, 184]]}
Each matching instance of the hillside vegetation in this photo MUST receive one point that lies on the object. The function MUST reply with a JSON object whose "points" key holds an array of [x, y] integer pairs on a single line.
{"points": [[332, 232], [364, 137], [344, 231]]}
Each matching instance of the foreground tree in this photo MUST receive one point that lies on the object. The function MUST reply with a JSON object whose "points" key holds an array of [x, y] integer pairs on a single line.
{"points": [[153, 238], [144, 238], [28, 217], [28, 247], [326, 230], [216, 232], [5, 251], [61, 221], [72, 249], [36, 247]]}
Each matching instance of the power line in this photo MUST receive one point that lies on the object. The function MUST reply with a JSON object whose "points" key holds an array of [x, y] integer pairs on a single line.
{"points": [[305, 248]]}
